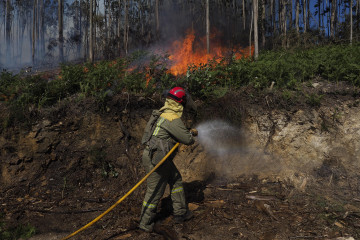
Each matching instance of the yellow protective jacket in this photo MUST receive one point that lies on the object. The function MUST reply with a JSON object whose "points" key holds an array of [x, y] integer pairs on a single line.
{"points": [[170, 128]]}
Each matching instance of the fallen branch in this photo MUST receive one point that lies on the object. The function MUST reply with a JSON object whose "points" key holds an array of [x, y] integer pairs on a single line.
{"points": [[294, 237], [261, 198], [262, 206], [64, 212]]}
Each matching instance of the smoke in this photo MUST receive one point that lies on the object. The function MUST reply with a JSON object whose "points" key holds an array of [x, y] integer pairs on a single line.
{"points": [[231, 153], [25, 42]]}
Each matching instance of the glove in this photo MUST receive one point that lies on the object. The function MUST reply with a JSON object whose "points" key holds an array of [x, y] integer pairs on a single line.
{"points": [[194, 132]]}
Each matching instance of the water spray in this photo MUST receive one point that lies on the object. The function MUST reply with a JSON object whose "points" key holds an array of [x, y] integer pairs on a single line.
{"points": [[220, 138]]}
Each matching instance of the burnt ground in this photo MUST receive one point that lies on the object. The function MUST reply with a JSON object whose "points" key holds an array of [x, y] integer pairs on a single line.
{"points": [[74, 177]]}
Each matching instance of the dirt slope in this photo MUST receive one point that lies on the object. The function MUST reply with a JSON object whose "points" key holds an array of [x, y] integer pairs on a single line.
{"points": [[76, 160]]}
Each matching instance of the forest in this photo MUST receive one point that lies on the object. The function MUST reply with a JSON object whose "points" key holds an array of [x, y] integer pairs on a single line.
{"points": [[47, 32]]}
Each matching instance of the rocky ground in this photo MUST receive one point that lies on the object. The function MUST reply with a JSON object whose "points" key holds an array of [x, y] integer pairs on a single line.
{"points": [[73, 161]]}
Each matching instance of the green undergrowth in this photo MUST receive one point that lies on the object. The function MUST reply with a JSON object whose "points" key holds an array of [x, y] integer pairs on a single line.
{"points": [[18, 232], [286, 70]]}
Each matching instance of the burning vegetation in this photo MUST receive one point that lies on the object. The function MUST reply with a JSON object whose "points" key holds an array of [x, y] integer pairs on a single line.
{"points": [[189, 52]]}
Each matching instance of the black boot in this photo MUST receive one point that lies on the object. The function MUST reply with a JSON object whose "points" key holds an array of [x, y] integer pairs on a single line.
{"points": [[182, 218]]}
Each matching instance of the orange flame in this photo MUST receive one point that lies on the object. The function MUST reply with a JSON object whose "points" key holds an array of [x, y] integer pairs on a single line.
{"points": [[148, 76], [185, 53]]}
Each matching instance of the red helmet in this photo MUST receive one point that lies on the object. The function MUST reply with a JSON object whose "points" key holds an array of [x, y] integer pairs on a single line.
{"points": [[178, 94]]}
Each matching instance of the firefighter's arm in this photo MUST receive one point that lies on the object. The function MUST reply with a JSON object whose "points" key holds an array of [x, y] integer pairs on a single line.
{"points": [[178, 130]]}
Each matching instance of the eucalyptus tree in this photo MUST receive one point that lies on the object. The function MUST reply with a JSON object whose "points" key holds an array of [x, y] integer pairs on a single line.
{"points": [[256, 37], [126, 26], [333, 18], [272, 15], [263, 22], [304, 16], [61, 29], [41, 27], [290, 3], [118, 18], [157, 19], [297, 14], [91, 32], [283, 19], [308, 14], [318, 12], [2, 23], [250, 33], [207, 27], [243, 13], [8, 23], [351, 21], [34, 31], [357, 19], [75, 13]]}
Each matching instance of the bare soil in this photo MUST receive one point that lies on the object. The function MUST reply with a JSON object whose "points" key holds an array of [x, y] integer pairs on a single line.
{"points": [[87, 157]]}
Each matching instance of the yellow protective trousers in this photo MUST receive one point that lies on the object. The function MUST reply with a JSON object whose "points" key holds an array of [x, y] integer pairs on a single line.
{"points": [[167, 173]]}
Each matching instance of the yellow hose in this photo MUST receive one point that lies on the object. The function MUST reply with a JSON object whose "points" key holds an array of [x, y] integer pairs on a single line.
{"points": [[125, 196]]}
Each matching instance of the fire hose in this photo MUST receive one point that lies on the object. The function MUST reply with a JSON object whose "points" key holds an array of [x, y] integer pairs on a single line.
{"points": [[125, 196]]}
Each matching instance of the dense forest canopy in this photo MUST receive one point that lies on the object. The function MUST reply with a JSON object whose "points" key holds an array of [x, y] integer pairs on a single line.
{"points": [[43, 32]]}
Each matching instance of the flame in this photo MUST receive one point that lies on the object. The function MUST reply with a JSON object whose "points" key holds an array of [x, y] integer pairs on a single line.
{"points": [[185, 53], [148, 76], [188, 52]]}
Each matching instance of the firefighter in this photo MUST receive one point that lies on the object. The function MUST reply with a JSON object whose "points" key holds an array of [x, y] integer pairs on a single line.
{"points": [[168, 130]]}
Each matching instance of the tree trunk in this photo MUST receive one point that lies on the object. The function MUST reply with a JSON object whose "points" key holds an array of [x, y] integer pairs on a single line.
{"points": [[78, 29], [24, 21], [304, 15], [86, 31], [272, 12], [251, 29], [157, 19], [41, 29], [8, 29], [126, 26], [61, 29], [37, 37], [291, 15], [285, 22], [308, 15], [328, 17], [33, 32], [357, 18], [192, 12], [256, 38], [207, 27], [109, 22], [119, 25], [319, 16], [297, 16], [243, 14], [91, 34], [263, 27], [96, 9], [280, 16], [351, 22], [332, 21], [106, 29]]}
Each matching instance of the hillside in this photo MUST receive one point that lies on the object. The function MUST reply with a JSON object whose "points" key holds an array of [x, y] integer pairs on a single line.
{"points": [[265, 166]]}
